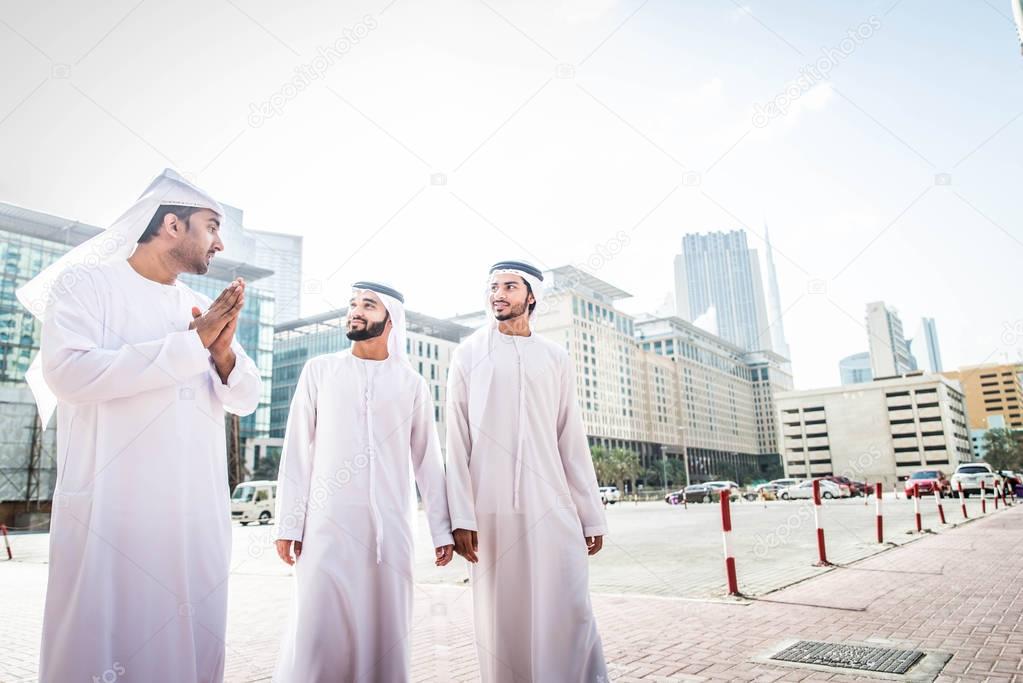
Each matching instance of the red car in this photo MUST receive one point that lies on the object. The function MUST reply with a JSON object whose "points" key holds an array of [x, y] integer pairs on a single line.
{"points": [[856, 488], [929, 481]]}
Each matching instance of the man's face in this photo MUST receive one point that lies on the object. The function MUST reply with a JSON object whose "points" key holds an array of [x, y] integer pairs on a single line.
{"points": [[367, 316], [509, 296], [198, 240]]}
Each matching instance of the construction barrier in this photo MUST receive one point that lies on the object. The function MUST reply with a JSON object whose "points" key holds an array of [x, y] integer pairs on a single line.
{"points": [[962, 501], [880, 518], [916, 507], [983, 499], [822, 560], [726, 535], [941, 508], [7, 542]]}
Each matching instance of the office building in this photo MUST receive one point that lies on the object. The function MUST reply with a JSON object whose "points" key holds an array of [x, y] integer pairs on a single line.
{"points": [[883, 430]]}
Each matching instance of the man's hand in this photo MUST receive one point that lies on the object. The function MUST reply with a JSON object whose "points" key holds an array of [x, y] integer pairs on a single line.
{"points": [[593, 544], [221, 346], [466, 544], [284, 550], [221, 312], [443, 554]]}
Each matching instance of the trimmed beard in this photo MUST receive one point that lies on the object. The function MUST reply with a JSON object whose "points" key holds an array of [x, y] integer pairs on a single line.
{"points": [[513, 311], [370, 331]]}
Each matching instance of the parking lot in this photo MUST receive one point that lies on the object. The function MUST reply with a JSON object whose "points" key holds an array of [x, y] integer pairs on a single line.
{"points": [[658, 549], [657, 560]]}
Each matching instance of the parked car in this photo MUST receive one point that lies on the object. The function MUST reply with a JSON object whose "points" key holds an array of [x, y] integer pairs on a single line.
{"points": [[929, 481], [856, 488], [844, 489], [804, 489], [610, 494], [784, 483], [253, 501], [971, 474], [719, 487], [695, 493], [766, 491]]}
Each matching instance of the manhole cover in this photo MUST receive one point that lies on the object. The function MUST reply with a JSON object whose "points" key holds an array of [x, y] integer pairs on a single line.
{"points": [[880, 659]]}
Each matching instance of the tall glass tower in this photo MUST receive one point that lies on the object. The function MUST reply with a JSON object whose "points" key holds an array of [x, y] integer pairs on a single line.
{"points": [[718, 270]]}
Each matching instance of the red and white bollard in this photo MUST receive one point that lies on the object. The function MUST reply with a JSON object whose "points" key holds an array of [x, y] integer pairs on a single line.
{"points": [[983, 499], [996, 493], [962, 501], [7, 542], [726, 535], [916, 507], [880, 518], [941, 508], [822, 560]]}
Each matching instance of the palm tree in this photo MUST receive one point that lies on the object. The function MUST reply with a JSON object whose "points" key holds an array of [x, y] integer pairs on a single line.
{"points": [[625, 467], [602, 464]]}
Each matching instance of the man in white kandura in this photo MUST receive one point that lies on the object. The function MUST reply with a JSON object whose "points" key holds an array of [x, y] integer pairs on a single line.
{"points": [[140, 369], [361, 425], [523, 493]]}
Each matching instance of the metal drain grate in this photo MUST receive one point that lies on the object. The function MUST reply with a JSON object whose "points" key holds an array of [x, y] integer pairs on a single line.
{"points": [[880, 659]]}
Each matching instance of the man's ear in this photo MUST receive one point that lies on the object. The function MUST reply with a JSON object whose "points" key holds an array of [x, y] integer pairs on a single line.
{"points": [[171, 225]]}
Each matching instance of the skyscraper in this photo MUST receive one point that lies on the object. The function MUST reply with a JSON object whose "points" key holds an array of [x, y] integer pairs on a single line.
{"points": [[719, 270], [778, 343], [889, 351], [933, 352]]}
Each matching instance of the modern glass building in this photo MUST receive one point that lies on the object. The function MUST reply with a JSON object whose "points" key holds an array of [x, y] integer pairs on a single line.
{"points": [[30, 241], [718, 270]]}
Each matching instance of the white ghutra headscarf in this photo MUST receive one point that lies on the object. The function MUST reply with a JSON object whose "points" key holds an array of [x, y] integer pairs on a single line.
{"points": [[394, 302], [116, 242]]}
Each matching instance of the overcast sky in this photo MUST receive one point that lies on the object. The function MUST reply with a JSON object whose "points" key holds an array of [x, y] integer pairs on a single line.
{"points": [[431, 139]]}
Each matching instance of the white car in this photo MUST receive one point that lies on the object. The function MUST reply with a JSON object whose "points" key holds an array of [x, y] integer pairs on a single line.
{"points": [[804, 489], [610, 494], [723, 484], [253, 501], [970, 475], [784, 483]]}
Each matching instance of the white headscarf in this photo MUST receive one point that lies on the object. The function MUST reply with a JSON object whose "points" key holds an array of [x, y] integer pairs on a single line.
{"points": [[394, 302], [116, 242], [527, 272]]}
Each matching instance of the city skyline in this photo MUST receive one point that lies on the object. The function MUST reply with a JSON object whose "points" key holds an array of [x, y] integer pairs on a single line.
{"points": [[578, 140]]}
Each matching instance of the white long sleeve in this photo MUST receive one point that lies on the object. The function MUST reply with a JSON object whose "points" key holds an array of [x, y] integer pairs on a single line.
{"points": [[295, 474], [78, 370], [575, 456], [240, 395], [461, 501], [428, 464]]}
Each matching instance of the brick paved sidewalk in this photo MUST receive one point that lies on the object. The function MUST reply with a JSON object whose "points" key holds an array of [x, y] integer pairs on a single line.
{"points": [[958, 592]]}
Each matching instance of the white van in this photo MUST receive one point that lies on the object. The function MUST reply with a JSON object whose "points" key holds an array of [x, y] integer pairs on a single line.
{"points": [[253, 501]]}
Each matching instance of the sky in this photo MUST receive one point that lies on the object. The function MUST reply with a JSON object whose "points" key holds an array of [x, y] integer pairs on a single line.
{"points": [[417, 143]]}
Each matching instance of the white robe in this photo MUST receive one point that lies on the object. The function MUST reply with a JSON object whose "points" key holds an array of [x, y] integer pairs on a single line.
{"points": [[357, 430], [140, 534], [531, 599]]}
